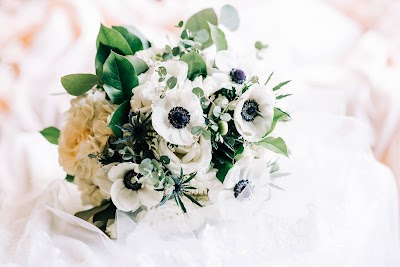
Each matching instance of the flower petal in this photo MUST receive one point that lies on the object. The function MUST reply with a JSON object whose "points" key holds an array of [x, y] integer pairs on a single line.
{"points": [[225, 61], [232, 177], [123, 198], [101, 178], [149, 197], [119, 171]]}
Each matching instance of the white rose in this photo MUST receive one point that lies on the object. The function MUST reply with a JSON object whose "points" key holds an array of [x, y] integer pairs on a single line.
{"points": [[85, 132], [192, 158]]}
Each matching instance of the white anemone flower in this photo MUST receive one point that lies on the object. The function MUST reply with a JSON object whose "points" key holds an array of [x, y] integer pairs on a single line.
{"points": [[248, 180], [234, 73], [128, 188], [175, 115], [254, 113]]}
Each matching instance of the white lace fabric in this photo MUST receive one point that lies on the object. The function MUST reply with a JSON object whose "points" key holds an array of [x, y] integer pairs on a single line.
{"points": [[338, 208]]}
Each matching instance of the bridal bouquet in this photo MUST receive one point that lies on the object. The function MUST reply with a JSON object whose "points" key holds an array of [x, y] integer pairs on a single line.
{"points": [[179, 125]]}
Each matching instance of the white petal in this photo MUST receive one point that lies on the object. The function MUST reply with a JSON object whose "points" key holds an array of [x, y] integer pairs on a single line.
{"points": [[149, 198], [101, 178], [123, 198], [232, 177], [225, 61], [119, 171], [179, 69]]}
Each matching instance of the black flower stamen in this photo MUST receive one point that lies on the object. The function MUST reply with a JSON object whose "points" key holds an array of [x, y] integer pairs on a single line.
{"points": [[238, 76], [179, 117], [250, 110], [239, 189], [132, 176]]}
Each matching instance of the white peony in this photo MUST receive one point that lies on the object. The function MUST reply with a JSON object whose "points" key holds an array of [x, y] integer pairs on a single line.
{"points": [[192, 158], [254, 113], [128, 188], [175, 115], [85, 132], [248, 180]]}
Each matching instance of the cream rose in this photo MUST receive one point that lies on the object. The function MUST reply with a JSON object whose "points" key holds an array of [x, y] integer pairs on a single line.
{"points": [[192, 158], [85, 132]]}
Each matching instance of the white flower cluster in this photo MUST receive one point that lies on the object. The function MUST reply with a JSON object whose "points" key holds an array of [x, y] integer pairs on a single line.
{"points": [[159, 126]]}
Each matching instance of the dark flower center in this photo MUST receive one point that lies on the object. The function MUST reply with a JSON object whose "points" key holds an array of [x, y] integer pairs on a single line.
{"points": [[132, 175], [238, 76], [239, 189], [250, 110], [179, 117]]}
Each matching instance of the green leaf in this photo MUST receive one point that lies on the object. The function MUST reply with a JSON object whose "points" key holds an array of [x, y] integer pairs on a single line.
{"points": [[197, 130], [192, 199], [165, 160], [218, 38], [171, 82], [278, 115], [230, 17], [239, 150], [87, 214], [196, 64], [102, 54], [277, 145], [70, 178], [51, 134], [180, 24], [120, 117], [139, 64], [269, 78], [119, 77], [200, 20], [105, 215], [282, 96], [223, 169], [113, 39], [198, 92], [202, 36], [134, 42], [78, 84], [260, 46], [279, 86]]}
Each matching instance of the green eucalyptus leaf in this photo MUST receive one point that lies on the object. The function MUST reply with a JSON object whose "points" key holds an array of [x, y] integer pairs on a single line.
{"points": [[200, 20], [260, 46], [196, 65], [197, 130], [134, 42], [70, 178], [78, 84], [113, 39], [218, 37], [277, 145], [198, 92], [202, 36], [165, 160], [51, 134], [230, 17], [120, 117], [119, 77], [87, 214], [139, 64], [171, 82]]}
